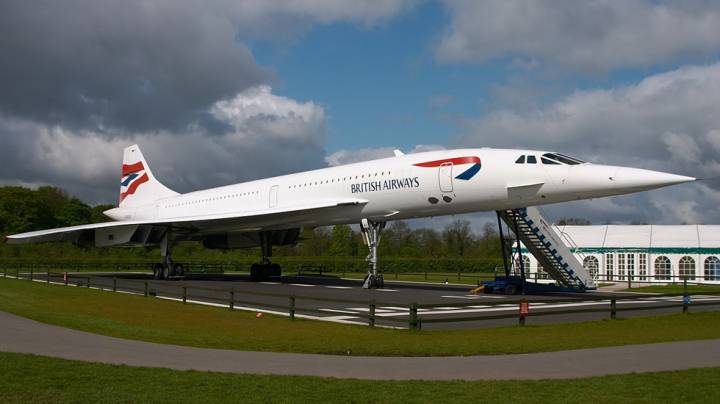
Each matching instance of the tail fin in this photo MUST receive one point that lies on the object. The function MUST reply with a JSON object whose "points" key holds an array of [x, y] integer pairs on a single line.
{"points": [[138, 186]]}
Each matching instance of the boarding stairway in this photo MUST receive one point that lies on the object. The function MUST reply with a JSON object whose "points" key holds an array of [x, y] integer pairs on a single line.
{"points": [[546, 245]]}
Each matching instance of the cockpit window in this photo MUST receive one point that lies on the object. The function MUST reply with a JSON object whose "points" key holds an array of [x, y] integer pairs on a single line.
{"points": [[557, 158], [531, 160], [520, 160]]}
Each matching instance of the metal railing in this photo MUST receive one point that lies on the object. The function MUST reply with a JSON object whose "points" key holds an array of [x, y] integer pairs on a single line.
{"points": [[291, 304]]}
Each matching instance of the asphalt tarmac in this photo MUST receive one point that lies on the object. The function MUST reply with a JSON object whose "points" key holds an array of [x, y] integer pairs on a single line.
{"points": [[344, 300]]}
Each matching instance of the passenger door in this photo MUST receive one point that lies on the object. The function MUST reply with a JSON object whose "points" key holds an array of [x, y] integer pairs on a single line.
{"points": [[273, 196], [445, 177]]}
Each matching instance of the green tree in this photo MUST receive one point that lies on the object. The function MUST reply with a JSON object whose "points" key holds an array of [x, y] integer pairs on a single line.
{"points": [[97, 215], [74, 213], [458, 238], [342, 241]]}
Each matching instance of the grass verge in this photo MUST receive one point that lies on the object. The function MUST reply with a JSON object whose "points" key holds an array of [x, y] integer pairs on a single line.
{"points": [[675, 289], [162, 321], [29, 378]]}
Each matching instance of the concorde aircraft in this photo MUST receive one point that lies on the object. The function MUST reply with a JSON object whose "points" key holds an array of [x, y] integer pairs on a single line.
{"points": [[272, 211]]}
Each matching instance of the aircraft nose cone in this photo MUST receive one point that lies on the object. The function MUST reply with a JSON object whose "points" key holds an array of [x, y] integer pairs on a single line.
{"points": [[646, 179]]}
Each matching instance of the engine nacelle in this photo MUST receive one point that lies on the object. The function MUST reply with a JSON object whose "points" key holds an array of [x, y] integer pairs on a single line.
{"points": [[232, 241]]}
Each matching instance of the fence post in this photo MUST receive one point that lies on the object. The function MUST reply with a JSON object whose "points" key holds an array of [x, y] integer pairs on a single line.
{"points": [[292, 308], [371, 314], [88, 281], [31, 273], [523, 311], [232, 300], [47, 274], [413, 316], [146, 289], [114, 284], [184, 294], [686, 297], [613, 308]]}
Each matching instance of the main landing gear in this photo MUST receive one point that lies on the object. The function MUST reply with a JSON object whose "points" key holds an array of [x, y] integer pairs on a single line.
{"points": [[265, 269], [371, 237], [168, 269]]}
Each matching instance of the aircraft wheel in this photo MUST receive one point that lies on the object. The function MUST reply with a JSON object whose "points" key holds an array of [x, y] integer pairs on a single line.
{"points": [[179, 270], [275, 270], [166, 270], [157, 271], [255, 272]]}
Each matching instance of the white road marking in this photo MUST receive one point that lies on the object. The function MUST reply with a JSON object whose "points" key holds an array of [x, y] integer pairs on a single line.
{"points": [[363, 309], [386, 290], [394, 308], [338, 311], [339, 287], [305, 285], [270, 283], [461, 297]]}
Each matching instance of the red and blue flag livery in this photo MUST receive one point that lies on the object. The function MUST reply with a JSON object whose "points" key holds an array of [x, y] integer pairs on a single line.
{"points": [[465, 175], [133, 175]]}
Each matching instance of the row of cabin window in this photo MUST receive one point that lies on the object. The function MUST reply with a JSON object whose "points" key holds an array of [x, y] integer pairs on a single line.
{"points": [[332, 180], [217, 198]]}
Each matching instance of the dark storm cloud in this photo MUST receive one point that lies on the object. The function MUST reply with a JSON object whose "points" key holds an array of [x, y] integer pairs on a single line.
{"points": [[134, 65]]}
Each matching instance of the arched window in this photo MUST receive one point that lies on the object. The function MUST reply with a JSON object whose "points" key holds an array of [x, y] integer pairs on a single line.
{"points": [[591, 264], [663, 268], [712, 269], [687, 268]]}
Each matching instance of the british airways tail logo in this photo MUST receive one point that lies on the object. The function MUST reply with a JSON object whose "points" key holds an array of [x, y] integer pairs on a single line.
{"points": [[133, 175], [465, 175]]}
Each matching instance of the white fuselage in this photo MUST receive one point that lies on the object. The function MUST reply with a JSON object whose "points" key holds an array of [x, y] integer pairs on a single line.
{"points": [[397, 188]]}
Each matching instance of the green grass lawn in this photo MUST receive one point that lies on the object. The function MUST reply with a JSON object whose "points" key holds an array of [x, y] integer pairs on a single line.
{"points": [[29, 378], [162, 321], [678, 288]]}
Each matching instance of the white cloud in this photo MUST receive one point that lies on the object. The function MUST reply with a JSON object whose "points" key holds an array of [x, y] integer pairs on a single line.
{"points": [[270, 135], [348, 156], [588, 35], [364, 11], [667, 122]]}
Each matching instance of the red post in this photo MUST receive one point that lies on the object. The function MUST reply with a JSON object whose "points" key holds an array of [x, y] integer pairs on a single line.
{"points": [[524, 310]]}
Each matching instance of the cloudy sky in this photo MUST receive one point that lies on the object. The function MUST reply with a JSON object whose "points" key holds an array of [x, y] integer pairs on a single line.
{"points": [[232, 90]]}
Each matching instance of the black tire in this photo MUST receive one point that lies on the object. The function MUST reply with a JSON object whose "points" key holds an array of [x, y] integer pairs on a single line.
{"points": [[511, 289], [255, 272], [157, 271], [178, 270], [275, 270], [166, 273]]}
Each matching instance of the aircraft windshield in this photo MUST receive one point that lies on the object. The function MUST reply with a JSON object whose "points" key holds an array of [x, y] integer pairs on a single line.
{"points": [[557, 158]]}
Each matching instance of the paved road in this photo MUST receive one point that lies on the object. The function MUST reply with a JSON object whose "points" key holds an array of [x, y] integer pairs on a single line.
{"points": [[317, 298], [22, 335]]}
